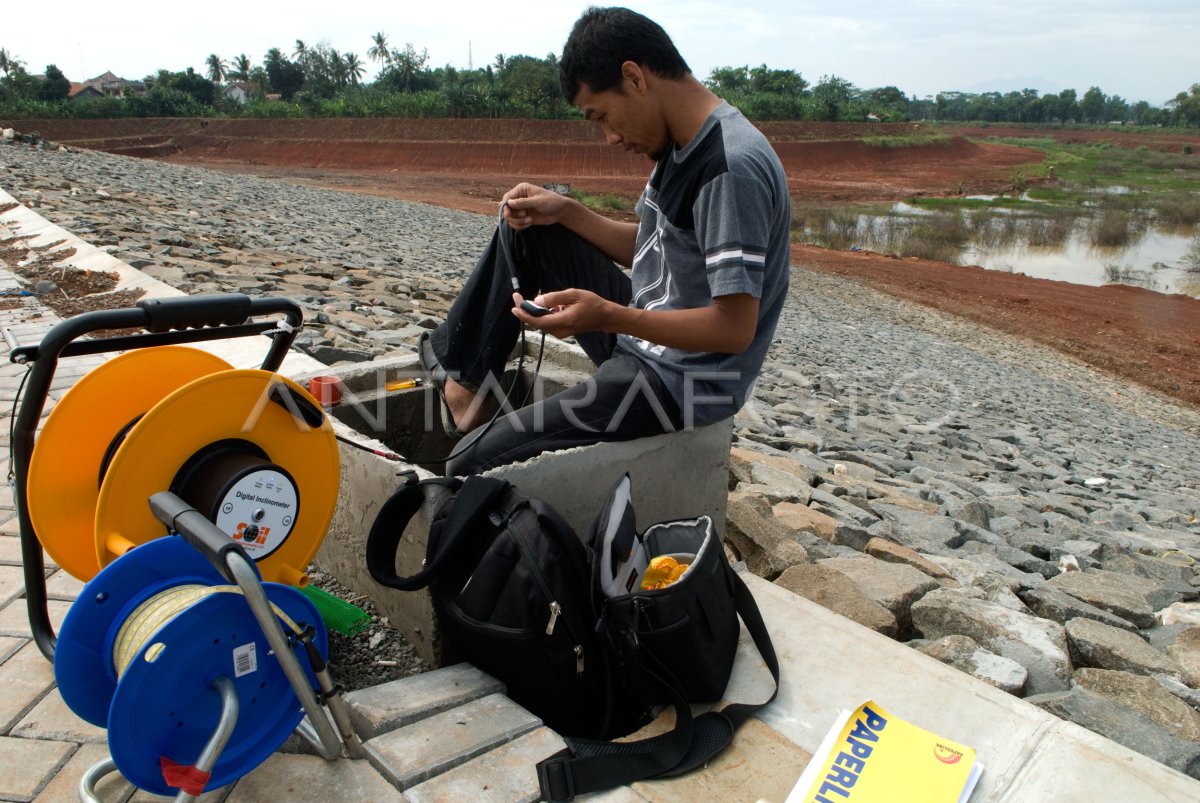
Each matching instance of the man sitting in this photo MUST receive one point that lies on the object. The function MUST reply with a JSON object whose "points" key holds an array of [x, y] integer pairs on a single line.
{"points": [[679, 341]]}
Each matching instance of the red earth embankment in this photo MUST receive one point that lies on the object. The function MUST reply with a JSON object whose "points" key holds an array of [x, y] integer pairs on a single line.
{"points": [[823, 160]]}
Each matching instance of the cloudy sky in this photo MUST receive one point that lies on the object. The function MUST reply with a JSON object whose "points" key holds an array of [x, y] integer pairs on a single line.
{"points": [[1144, 50]]}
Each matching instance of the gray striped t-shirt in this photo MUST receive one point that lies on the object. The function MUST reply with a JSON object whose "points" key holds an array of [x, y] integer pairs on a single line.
{"points": [[715, 220]]}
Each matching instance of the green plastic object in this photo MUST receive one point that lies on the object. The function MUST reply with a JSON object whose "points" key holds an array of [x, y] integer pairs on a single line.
{"points": [[339, 615]]}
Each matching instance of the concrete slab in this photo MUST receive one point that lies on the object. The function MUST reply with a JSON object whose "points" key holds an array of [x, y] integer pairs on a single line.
{"points": [[393, 705], [27, 764], [50, 719], [761, 764], [308, 779], [505, 774], [408, 756], [831, 663], [215, 796], [9, 647], [14, 617], [12, 584], [24, 678], [10, 550], [65, 784], [63, 586]]}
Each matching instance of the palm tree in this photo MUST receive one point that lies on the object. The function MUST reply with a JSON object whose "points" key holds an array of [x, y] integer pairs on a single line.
{"points": [[216, 68], [274, 58], [10, 64], [241, 68], [301, 50], [379, 51], [337, 68], [354, 67]]}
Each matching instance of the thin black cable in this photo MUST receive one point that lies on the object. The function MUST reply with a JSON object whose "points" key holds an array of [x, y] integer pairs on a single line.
{"points": [[474, 438]]}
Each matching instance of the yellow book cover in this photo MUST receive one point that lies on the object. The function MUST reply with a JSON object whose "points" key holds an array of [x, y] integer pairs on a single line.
{"points": [[871, 756]]}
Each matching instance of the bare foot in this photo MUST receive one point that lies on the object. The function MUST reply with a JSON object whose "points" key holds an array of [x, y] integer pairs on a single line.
{"points": [[465, 405]]}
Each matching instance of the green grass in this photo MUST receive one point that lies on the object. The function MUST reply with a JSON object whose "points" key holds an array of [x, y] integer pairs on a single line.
{"points": [[1103, 164], [601, 202], [910, 141]]}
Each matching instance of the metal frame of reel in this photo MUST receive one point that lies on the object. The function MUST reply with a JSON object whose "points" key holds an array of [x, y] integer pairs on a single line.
{"points": [[170, 322]]}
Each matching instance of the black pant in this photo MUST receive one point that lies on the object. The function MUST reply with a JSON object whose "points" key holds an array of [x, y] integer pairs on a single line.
{"points": [[623, 400]]}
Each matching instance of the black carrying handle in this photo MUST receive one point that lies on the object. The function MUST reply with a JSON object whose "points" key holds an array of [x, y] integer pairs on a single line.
{"points": [[197, 530], [593, 766], [195, 312], [473, 498]]}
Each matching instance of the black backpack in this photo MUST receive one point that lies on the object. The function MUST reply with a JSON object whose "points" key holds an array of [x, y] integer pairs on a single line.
{"points": [[519, 595], [510, 584]]}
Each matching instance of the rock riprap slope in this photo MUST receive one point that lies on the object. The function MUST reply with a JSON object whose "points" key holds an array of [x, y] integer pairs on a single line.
{"points": [[1002, 509]]}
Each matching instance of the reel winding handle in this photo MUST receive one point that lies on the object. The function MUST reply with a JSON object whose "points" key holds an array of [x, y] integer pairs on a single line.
{"points": [[198, 531]]}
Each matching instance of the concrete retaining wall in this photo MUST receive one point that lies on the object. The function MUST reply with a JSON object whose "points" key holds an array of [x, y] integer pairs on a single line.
{"points": [[678, 475]]}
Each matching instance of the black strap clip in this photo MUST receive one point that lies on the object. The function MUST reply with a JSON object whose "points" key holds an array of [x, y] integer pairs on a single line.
{"points": [[555, 777]]}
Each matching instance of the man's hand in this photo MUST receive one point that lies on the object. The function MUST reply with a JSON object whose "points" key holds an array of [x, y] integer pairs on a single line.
{"points": [[529, 205], [574, 311], [726, 326]]}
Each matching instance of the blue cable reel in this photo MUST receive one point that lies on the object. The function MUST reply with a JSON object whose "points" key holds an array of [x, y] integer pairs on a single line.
{"points": [[141, 647]]}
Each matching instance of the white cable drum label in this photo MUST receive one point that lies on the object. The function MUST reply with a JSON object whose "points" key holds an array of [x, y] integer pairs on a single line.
{"points": [[259, 511], [245, 660]]}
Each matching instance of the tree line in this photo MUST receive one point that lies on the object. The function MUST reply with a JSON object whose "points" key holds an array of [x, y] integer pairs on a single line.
{"points": [[320, 81]]}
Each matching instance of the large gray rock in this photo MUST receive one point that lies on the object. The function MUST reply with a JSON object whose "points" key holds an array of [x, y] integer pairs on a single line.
{"points": [[1037, 644], [898, 553], [1132, 598], [844, 510], [1017, 558], [1146, 696], [1185, 651], [1050, 603], [803, 518], [1105, 647], [920, 531], [984, 566], [766, 545], [964, 654], [1169, 571], [1186, 693], [833, 590], [895, 586], [978, 513], [1123, 725]]}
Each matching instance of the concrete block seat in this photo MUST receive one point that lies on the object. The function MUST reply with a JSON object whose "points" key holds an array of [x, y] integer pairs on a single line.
{"points": [[676, 475]]}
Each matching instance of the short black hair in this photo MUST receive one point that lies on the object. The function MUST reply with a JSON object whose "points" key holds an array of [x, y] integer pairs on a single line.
{"points": [[605, 38]]}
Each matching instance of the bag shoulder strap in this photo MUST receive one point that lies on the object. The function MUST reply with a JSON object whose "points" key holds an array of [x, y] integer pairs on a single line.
{"points": [[472, 499], [591, 766]]}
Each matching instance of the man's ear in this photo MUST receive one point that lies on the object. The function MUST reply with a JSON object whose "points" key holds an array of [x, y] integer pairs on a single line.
{"points": [[633, 77]]}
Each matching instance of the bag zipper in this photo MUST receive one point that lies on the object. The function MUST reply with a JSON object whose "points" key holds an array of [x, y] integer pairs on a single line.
{"points": [[555, 607]]}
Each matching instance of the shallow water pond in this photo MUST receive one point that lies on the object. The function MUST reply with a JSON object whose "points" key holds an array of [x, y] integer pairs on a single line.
{"points": [[1103, 238]]}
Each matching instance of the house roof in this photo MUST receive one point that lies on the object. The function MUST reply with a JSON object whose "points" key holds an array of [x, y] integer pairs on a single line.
{"points": [[107, 78], [78, 89]]}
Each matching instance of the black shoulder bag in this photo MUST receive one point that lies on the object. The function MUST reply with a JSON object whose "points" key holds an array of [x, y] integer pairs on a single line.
{"points": [[672, 645]]}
